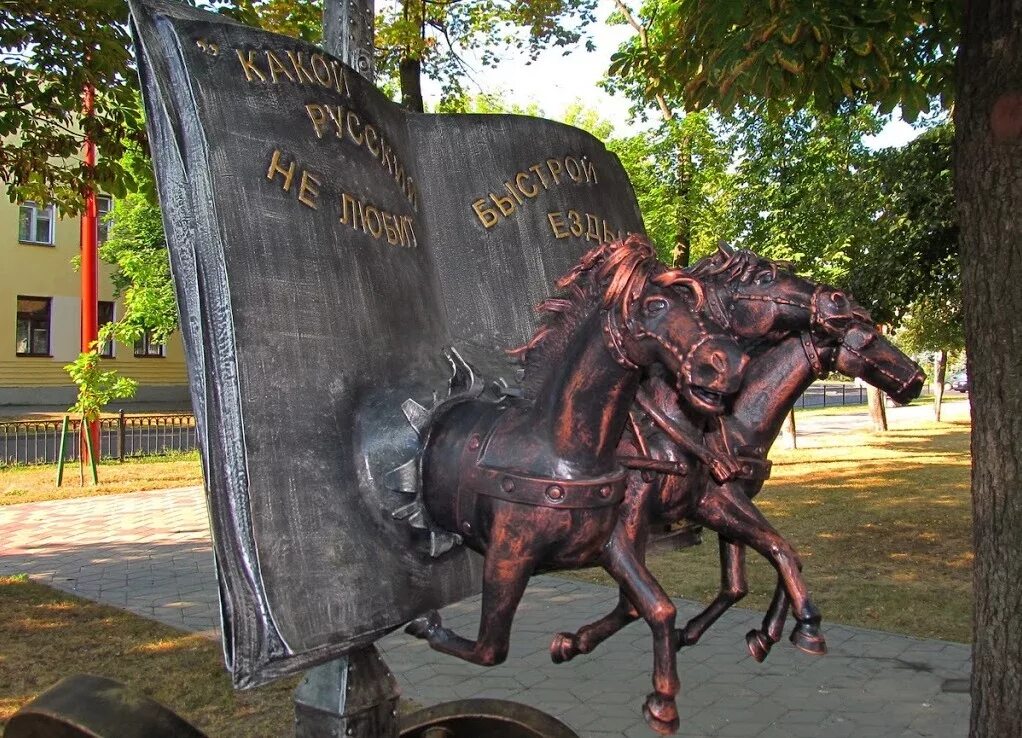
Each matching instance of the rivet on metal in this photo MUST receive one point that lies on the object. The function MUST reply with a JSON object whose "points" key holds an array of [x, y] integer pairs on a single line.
{"points": [[474, 443], [605, 492], [507, 484], [555, 492]]}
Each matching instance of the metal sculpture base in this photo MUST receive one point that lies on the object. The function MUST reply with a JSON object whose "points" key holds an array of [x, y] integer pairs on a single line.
{"points": [[355, 695]]}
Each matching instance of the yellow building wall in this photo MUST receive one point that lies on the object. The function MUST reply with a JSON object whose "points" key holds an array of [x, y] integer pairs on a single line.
{"points": [[31, 270]]}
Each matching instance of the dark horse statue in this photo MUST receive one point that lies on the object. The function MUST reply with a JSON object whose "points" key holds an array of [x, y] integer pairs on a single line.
{"points": [[534, 484], [795, 331]]}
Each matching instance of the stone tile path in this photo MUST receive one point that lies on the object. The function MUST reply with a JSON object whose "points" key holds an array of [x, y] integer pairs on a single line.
{"points": [[149, 553]]}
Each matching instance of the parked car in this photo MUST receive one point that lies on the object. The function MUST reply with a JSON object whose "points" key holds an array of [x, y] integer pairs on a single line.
{"points": [[960, 383]]}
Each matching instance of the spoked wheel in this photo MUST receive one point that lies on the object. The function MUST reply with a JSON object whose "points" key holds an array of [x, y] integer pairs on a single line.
{"points": [[483, 717], [86, 706]]}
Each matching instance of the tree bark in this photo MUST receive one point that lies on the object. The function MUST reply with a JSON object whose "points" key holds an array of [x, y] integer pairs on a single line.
{"points": [[789, 432], [939, 373], [877, 411], [683, 232], [988, 188], [411, 84]]}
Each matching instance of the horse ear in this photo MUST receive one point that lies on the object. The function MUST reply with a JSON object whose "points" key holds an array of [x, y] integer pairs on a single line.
{"points": [[724, 248]]}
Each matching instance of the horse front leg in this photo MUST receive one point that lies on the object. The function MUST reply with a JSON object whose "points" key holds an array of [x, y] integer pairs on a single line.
{"points": [[733, 587], [638, 585], [506, 571], [729, 511]]}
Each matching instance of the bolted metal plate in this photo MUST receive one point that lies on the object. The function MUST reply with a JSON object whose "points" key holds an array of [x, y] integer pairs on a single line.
{"points": [[327, 247]]}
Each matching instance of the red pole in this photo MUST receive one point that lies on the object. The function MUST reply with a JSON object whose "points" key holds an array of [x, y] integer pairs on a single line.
{"points": [[90, 256]]}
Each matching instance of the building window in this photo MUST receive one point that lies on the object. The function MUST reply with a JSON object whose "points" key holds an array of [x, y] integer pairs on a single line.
{"points": [[104, 204], [35, 224], [32, 337], [146, 347], [105, 314]]}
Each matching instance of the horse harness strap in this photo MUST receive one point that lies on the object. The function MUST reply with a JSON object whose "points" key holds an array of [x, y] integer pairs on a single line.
{"points": [[812, 355], [503, 484]]}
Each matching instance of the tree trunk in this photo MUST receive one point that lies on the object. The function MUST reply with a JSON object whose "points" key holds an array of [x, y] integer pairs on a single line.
{"points": [[789, 432], [988, 188], [411, 84], [939, 373], [683, 232], [877, 411]]}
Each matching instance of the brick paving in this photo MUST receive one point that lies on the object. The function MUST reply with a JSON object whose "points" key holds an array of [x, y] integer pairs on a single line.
{"points": [[150, 553]]}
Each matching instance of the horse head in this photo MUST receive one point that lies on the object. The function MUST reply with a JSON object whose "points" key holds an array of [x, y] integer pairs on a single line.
{"points": [[653, 315], [863, 352]]}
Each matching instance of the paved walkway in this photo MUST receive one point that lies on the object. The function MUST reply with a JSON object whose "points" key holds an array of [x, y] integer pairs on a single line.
{"points": [[150, 553]]}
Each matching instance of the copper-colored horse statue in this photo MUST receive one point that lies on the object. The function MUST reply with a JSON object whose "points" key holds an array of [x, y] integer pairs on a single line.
{"points": [[534, 484], [796, 331]]}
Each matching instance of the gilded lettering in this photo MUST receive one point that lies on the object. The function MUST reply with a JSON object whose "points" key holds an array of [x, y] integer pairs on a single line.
{"points": [[408, 232], [505, 205], [372, 214], [592, 228], [513, 192], [277, 68], [301, 71], [590, 170], [537, 168], [370, 133], [576, 223], [555, 169], [530, 191], [308, 190], [336, 113], [276, 168], [318, 116], [321, 70], [353, 116], [340, 78], [573, 168], [487, 216], [248, 64], [390, 228], [348, 211], [557, 224]]}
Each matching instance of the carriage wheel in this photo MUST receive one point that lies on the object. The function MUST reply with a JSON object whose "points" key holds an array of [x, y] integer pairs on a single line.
{"points": [[483, 717], [86, 706]]}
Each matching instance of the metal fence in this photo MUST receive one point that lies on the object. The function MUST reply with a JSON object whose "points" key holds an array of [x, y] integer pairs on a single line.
{"points": [[824, 394], [38, 441]]}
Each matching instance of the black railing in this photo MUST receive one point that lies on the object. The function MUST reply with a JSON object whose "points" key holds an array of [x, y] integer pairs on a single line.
{"points": [[38, 441], [824, 394]]}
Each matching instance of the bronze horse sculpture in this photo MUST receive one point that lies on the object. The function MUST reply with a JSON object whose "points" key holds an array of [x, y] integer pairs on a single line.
{"points": [[533, 483], [796, 331]]}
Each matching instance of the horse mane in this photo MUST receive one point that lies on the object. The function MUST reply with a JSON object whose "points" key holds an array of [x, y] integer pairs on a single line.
{"points": [[611, 277], [742, 265]]}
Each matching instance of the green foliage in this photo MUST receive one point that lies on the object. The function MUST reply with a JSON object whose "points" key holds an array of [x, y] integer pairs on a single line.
{"points": [[784, 55], [439, 31], [491, 103], [96, 387], [296, 18], [52, 49], [137, 248], [912, 256], [931, 325]]}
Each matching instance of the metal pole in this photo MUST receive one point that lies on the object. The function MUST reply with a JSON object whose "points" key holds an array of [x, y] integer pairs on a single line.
{"points": [[348, 33], [90, 257]]}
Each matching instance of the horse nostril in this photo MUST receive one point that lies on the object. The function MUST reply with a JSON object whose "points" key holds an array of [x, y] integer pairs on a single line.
{"points": [[718, 361]]}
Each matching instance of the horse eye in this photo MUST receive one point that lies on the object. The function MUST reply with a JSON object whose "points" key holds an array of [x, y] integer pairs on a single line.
{"points": [[655, 305], [764, 277]]}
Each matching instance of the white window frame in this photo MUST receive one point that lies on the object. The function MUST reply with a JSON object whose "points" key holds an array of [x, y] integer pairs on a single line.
{"points": [[102, 225], [145, 345], [107, 350], [32, 237]]}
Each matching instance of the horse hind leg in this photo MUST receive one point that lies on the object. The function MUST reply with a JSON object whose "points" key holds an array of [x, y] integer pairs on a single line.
{"points": [[759, 642], [505, 576], [566, 646], [733, 587]]}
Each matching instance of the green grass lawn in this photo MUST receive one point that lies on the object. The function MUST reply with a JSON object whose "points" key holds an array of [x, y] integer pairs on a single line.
{"points": [[36, 483]]}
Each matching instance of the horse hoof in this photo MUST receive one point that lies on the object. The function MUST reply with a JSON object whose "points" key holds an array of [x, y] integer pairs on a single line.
{"points": [[661, 714], [809, 639], [424, 625], [563, 648], [758, 644]]}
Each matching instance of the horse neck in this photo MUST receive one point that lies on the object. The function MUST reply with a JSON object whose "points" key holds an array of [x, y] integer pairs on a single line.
{"points": [[773, 383], [584, 402], [767, 324]]}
